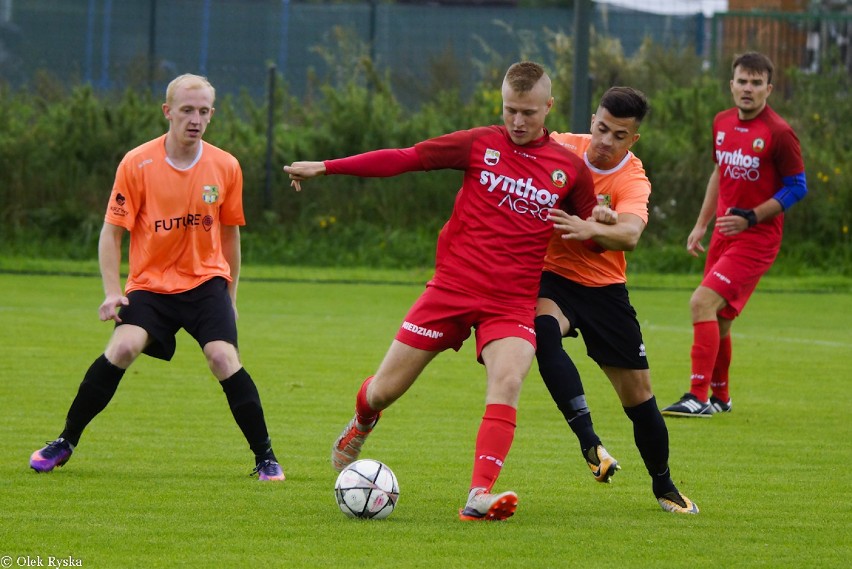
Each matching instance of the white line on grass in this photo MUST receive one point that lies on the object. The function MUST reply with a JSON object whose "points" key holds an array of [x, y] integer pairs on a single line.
{"points": [[798, 340]]}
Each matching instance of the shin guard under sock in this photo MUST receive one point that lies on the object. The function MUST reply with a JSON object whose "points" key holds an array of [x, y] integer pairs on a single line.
{"points": [[563, 381], [95, 392], [244, 402], [652, 440], [720, 382], [493, 441], [705, 348]]}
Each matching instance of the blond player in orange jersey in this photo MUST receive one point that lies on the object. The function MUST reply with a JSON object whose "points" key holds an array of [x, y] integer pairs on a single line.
{"points": [[181, 201], [585, 291]]}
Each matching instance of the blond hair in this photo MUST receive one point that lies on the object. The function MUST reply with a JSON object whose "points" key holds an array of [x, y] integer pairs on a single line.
{"points": [[524, 75], [188, 81]]}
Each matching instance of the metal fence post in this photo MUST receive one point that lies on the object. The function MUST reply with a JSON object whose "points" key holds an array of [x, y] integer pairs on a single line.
{"points": [[270, 134], [581, 99]]}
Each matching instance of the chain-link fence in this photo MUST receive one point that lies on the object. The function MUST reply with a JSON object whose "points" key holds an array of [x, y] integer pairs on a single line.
{"points": [[144, 43]]}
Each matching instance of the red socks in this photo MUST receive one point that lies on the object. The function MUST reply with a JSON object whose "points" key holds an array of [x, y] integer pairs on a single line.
{"points": [[365, 414], [719, 383], [705, 349], [492, 444]]}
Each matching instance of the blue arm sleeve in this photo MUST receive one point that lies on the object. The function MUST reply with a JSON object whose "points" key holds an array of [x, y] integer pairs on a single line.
{"points": [[794, 189]]}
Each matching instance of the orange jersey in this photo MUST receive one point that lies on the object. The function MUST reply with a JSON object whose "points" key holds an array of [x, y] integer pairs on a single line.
{"points": [[625, 189], [175, 216]]}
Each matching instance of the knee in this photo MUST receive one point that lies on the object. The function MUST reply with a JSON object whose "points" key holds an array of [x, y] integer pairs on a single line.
{"points": [[548, 334], [504, 390], [632, 386], [696, 301], [222, 359], [121, 352], [704, 304]]}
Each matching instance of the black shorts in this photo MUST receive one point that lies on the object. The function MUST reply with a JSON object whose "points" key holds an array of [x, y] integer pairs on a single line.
{"points": [[604, 316], [205, 312]]}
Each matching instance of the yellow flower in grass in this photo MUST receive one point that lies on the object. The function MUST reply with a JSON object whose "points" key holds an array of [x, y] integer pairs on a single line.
{"points": [[326, 221]]}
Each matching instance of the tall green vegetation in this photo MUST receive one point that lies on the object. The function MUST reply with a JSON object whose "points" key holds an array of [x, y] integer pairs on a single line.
{"points": [[59, 148]]}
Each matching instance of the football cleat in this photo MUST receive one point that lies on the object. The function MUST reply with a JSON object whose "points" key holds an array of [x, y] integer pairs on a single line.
{"points": [[689, 406], [347, 447], [55, 454], [483, 506], [602, 465], [268, 470], [677, 503], [720, 406]]}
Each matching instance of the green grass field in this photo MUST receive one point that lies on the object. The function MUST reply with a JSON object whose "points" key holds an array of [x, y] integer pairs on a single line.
{"points": [[160, 478]]}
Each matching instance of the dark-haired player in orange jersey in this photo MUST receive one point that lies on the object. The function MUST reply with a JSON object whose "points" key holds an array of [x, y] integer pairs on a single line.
{"points": [[585, 291], [181, 201], [488, 263]]}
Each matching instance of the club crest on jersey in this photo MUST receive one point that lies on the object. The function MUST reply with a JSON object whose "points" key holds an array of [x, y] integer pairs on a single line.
{"points": [[492, 157], [605, 200], [720, 137], [558, 178], [210, 194], [758, 145]]}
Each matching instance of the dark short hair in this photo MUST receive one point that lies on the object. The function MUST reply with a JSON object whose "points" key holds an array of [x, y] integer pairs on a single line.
{"points": [[625, 103], [755, 63]]}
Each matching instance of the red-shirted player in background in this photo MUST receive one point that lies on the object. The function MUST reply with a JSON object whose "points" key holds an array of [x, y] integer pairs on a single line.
{"points": [[488, 263], [181, 200], [585, 291], [759, 174]]}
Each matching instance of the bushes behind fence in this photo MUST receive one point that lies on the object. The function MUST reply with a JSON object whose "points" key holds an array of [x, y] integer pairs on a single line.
{"points": [[59, 148]]}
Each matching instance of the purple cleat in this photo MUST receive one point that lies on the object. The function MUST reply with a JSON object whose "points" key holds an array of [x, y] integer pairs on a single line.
{"points": [[269, 470], [55, 454]]}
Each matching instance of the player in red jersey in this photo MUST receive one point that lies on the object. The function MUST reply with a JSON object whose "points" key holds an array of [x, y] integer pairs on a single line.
{"points": [[181, 200], [488, 263], [587, 292], [759, 174]]}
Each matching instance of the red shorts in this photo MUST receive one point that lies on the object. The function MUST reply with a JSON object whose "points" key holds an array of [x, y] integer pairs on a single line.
{"points": [[442, 319], [733, 269]]}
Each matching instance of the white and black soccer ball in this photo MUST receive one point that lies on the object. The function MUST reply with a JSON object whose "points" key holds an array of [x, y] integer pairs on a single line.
{"points": [[367, 489]]}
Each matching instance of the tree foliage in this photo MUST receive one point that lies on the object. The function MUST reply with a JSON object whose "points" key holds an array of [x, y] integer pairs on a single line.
{"points": [[59, 148]]}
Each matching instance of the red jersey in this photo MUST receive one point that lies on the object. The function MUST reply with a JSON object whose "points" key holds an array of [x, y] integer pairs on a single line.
{"points": [[494, 243], [175, 216], [753, 156]]}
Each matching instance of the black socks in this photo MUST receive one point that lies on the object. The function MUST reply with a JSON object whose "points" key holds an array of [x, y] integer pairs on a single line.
{"points": [[244, 401], [652, 440], [93, 395], [562, 379]]}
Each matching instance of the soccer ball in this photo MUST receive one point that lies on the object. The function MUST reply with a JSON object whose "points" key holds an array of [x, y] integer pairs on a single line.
{"points": [[367, 489]]}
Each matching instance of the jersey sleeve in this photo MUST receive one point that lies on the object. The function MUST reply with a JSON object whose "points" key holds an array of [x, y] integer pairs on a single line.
{"points": [[788, 155], [125, 199], [232, 208], [376, 163], [632, 197], [450, 151]]}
